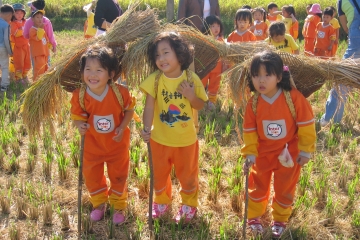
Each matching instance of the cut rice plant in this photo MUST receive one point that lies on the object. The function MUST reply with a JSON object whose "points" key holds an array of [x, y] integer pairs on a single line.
{"points": [[87, 224], [304, 180], [14, 232], [15, 147], [30, 163], [75, 152], [34, 211], [2, 155], [5, 205], [226, 135], [65, 223], [330, 208], [343, 176], [304, 203], [13, 165], [110, 224], [47, 165], [321, 186], [214, 181], [135, 156], [353, 196], [237, 198], [63, 163], [22, 130], [140, 225], [13, 116], [47, 140], [142, 178], [47, 214], [5, 138], [209, 132], [33, 146], [355, 219], [21, 207]]}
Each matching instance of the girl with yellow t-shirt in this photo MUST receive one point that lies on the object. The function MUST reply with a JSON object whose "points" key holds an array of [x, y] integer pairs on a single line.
{"points": [[280, 40]]}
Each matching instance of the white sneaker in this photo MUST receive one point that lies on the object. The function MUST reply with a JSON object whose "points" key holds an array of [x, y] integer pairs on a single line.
{"points": [[3, 88], [323, 122]]}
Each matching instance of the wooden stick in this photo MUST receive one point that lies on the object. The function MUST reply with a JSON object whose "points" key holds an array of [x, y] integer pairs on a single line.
{"points": [[80, 185], [246, 198]]}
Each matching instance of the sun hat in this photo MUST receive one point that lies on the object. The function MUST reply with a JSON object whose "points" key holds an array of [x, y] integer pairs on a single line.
{"points": [[19, 6], [315, 8]]}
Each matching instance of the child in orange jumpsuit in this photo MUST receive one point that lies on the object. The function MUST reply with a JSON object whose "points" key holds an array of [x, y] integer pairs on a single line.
{"points": [[211, 81], [289, 19], [21, 50], [108, 111], [280, 40], [325, 35], [277, 119], [39, 44], [260, 27], [172, 93], [243, 21], [309, 29]]}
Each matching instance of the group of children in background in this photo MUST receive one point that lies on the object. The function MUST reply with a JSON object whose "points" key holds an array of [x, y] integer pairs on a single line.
{"points": [[30, 41]]}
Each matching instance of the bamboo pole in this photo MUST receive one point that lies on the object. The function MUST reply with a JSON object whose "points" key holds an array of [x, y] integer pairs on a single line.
{"points": [[169, 10]]}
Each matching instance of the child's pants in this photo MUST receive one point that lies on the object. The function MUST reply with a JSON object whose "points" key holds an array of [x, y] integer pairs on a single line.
{"points": [[95, 181], [22, 62], [285, 180], [4, 62], [185, 161], [309, 45], [212, 82], [40, 66]]}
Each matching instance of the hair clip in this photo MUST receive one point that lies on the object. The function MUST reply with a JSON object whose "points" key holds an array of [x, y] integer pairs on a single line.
{"points": [[285, 68]]}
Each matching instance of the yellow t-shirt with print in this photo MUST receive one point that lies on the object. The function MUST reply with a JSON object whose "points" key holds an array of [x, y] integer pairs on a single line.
{"points": [[173, 123], [291, 44], [334, 23]]}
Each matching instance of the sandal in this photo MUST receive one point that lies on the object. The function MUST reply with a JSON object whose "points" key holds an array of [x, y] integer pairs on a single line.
{"points": [[255, 226], [278, 229]]}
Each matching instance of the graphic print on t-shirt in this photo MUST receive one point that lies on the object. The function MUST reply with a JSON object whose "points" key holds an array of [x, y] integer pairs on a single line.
{"points": [[173, 115]]}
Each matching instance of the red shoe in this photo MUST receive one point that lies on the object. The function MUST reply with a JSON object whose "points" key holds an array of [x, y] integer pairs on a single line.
{"points": [[185, 212], [158, 210], [255, 226], [278, 229]]}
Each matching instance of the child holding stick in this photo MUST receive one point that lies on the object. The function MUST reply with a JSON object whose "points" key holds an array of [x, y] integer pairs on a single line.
{"points": [[171, 94], [278, 128], [103, 110], [211, 81]]}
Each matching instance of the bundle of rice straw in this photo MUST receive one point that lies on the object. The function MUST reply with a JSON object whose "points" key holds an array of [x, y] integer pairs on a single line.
{"points": [[45, 98], [135, 59], [309, 74]]}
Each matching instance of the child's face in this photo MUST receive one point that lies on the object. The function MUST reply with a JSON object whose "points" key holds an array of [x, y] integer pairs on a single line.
{"points": [[19, 14], [272, 10], [167, 61], [96, 76], [285, 13], [327, 19], [258, 16], [215, 29], [242, 25], [264, 83], [278, 38], [38, 19]]}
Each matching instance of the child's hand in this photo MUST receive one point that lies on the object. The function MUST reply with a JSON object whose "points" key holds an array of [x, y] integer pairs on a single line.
{"points": [[118, 134], [146, 135], [82, 127], [301, 160], [330, 48], [186, 90], [247, 165]]}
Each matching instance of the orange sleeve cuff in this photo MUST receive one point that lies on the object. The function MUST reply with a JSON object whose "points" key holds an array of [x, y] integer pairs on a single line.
{"points": [[76, 117]]}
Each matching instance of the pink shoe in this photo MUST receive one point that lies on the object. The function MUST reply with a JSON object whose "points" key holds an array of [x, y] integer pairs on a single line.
{"points": [[98, 213], [278, 229], [118, 217], [255, 226], [159, 210], [185, 212]]}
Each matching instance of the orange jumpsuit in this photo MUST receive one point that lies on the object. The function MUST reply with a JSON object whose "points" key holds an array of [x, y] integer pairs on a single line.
{"points": [[265, 136], [21, 50], [104, 115], [324, 36], [246, 36], [39, 48], [309, 32], [274, 18], [173, 138], [212, 80], [260, 31]]}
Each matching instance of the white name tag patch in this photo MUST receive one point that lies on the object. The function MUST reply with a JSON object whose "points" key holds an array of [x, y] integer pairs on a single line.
{"points": [[274, 129]]}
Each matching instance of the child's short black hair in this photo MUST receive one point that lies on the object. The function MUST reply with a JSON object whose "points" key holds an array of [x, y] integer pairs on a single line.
{"points": [[183, 50], [210, 20], [105, 55], [272, 5], [328, 11], [243, 14], [289, 9], [274, 66], [7, 8], [246, 7]]}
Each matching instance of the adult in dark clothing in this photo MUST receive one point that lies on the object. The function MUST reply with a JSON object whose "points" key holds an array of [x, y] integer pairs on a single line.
{"points": [[195, 11], [106, 11]]}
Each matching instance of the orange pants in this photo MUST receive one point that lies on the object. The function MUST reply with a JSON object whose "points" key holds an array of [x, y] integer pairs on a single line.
{"points": [[95, 180], [40, 66], [22, 62], [285, 180], [334, 50], [186, 163], [309, 45], [325, 54], [212, 82]]}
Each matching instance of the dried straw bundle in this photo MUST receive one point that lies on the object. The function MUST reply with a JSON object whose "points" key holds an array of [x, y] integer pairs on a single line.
{"points": [[309, 74], [135, 59]]}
